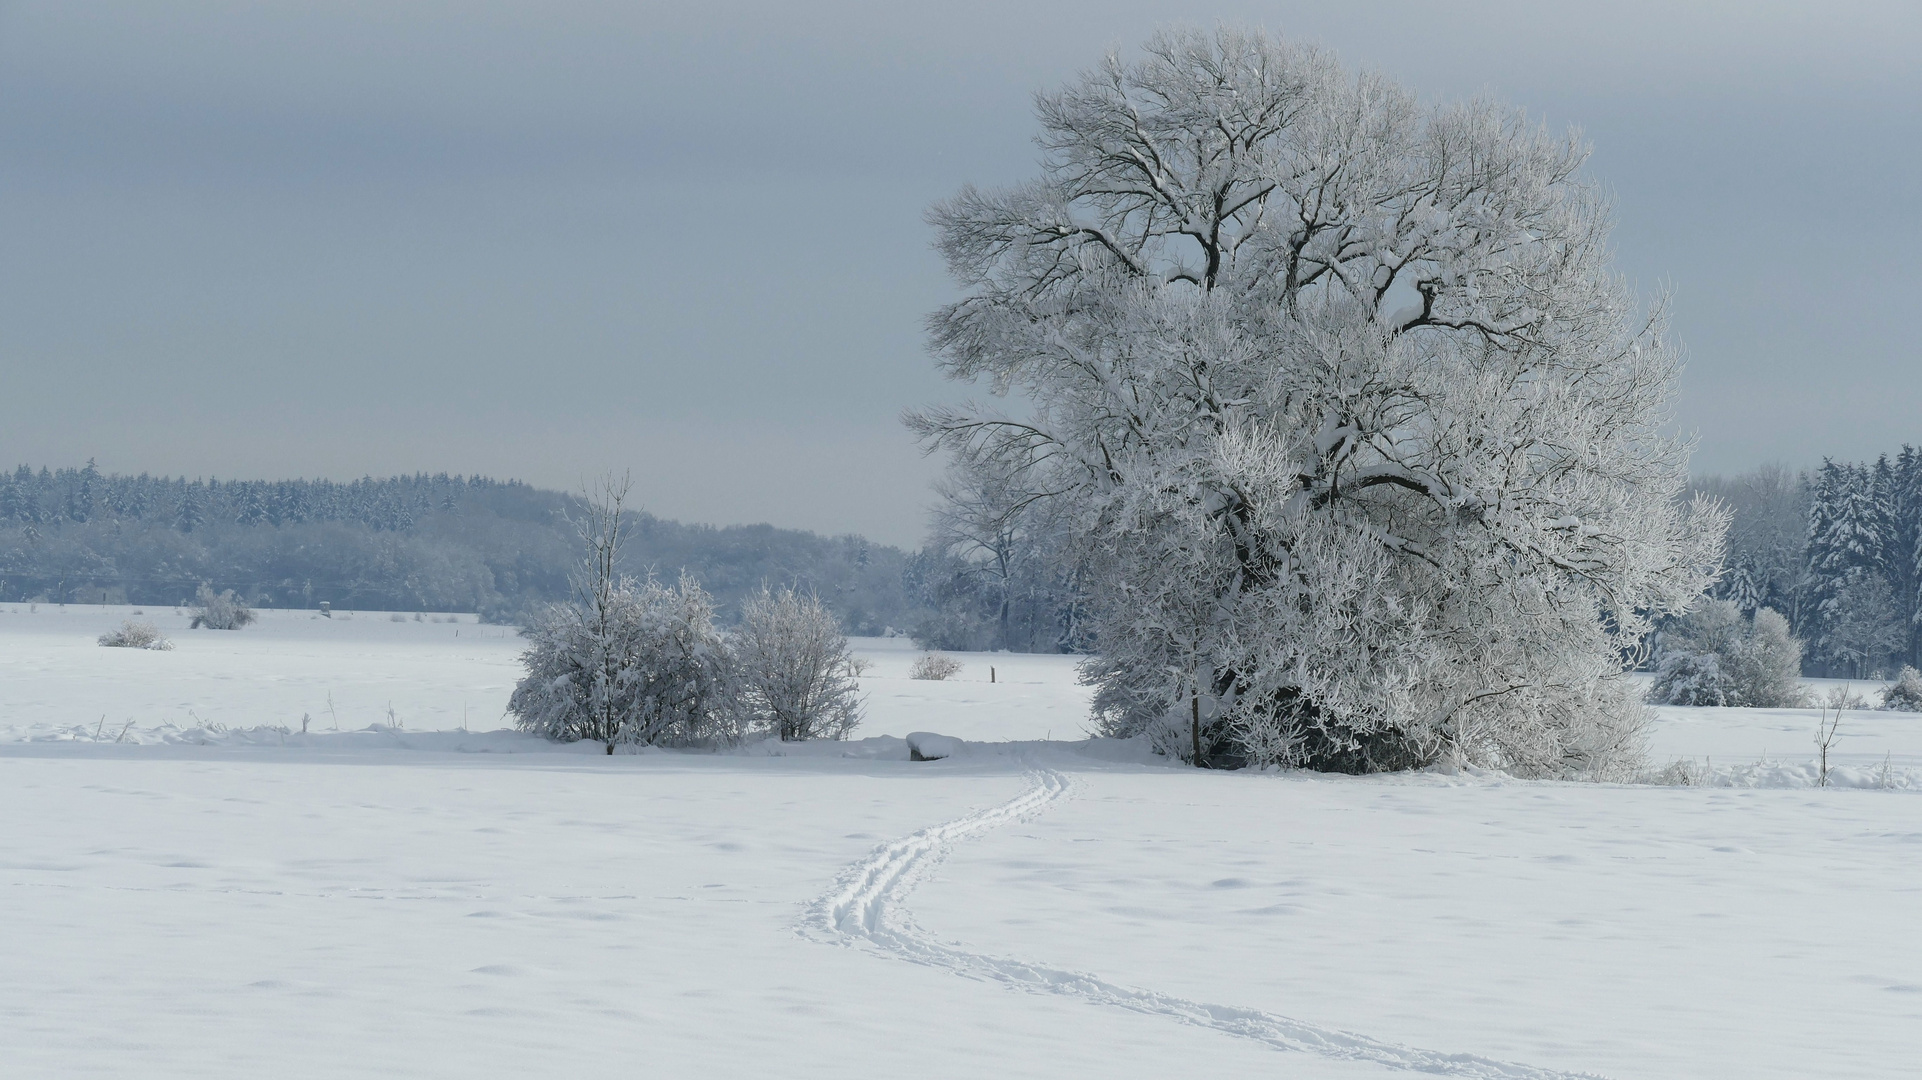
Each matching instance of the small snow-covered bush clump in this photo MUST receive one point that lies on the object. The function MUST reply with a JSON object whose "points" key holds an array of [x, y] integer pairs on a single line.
{"points": [[1714, 656], [796, 676], [1676, 774], [136, 635], [624, 661], [219, 612], [1905, 693], [936, 666], [1843, 697], [642, 665], [1686, 678]]}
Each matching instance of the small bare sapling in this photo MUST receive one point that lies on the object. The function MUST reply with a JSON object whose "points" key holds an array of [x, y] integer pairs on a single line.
{"points": [[1825, 726]]}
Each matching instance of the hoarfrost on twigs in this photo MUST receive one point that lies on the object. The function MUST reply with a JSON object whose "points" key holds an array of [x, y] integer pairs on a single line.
{"points": [[1319, 533]]}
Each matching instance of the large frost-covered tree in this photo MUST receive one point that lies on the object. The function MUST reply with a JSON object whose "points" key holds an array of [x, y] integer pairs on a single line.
{"points": [[1361, 436]]}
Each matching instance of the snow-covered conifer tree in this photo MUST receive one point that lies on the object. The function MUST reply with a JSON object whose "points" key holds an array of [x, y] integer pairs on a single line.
{"points": [[1341, 399], [1902, 562], [1856, 622]]}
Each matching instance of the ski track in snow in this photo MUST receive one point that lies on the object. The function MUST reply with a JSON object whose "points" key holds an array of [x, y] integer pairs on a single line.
{"points": [[865, 907]]}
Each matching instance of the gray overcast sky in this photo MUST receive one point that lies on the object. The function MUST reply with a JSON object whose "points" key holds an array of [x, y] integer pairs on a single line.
{"points": [[546, 239]]}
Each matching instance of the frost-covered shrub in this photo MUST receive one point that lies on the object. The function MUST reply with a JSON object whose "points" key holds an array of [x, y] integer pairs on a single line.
{"points": [[796, 678], [1686, 678], [936, 666], [1905, 693], [1676, 773], [1714, 656], [642, 665], [1843, 697], [219, 612], [136, 635]]}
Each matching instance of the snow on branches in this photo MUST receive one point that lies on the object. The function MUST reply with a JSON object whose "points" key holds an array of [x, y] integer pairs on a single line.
{"points": [[639, 662], [1337, 388], [625, 661], [643, 666], [797, 678]]}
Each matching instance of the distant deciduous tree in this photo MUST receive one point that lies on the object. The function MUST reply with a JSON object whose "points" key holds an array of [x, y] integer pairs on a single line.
{"points": [[795, 676]]}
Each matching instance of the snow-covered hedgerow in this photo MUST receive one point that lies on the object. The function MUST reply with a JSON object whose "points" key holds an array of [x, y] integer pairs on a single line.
{"points": [[1714, 656], [219, 611], [795, 676], [134, 634], [1359, 434]]}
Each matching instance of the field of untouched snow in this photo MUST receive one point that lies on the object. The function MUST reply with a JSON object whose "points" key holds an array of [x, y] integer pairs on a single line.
{"points": [[206, 892], [441, 672]]}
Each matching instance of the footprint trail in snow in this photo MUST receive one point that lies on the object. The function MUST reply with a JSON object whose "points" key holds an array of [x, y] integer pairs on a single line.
{"points": [[866, 907]]}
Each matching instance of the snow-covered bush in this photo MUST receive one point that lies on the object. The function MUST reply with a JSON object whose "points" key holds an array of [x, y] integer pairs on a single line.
{"points": [[220, 611], [625, 661], [1715, 656], [1677, 773], [136, 635], [1841, 698], [796, 678], [1685, 678], [1341, 402], [645, 666], [935, 666], [1905, 693]]}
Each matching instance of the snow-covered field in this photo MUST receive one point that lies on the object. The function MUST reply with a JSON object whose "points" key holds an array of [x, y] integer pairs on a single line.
{"points": [[190, 887]]}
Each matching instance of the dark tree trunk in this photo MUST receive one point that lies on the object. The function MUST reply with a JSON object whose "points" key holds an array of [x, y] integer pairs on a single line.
{"points": [[1194, 726]]}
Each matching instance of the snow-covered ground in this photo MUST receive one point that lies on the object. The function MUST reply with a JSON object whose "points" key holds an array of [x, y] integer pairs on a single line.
{"points": [[441, 672], [208, 893]]}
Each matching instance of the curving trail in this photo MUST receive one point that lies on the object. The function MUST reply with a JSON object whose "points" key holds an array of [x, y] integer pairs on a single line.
{"points": [[865, 907]]}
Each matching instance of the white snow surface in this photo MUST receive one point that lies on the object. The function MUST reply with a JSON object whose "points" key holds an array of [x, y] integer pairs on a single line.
{"points": [[209, 893]]}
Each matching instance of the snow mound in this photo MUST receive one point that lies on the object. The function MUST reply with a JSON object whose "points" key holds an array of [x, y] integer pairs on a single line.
{"points": [[927, 746], [1777, 774]]}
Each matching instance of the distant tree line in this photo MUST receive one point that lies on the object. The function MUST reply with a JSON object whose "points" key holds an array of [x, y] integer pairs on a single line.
{"points": [[1838, 552], [420, 542]]}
